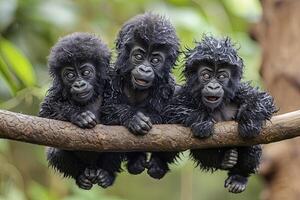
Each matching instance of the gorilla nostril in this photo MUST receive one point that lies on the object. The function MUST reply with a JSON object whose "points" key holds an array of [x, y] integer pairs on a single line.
{"points": [[217, 87], [79, 84], [214, 86], [144, 69]]}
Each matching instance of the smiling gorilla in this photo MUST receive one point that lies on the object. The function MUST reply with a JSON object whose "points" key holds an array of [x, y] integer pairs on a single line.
{"points": [[78, 64], [214, 92], [147, 48]]}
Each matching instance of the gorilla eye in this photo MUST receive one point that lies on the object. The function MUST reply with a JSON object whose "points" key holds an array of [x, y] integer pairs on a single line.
{"points": [[155, 60], [86, 72], [70, 75], [206, 76], [138, 56], [222, 76]]}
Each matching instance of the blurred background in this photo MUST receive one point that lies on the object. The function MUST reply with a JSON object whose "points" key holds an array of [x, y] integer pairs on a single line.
{"points": [[28, 29]]}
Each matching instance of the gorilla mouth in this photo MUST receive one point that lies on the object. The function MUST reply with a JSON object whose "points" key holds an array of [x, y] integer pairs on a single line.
{"points": [[141, 82], [83, 95], [212, 98]]}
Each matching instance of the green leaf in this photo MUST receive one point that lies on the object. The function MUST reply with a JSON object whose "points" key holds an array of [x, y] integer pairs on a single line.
{"points": [[37, 192], [7, 76], [17, 62]]}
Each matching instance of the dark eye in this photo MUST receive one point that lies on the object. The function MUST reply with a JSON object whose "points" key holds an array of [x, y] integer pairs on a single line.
{"points": [[222, 76], [155, 60], [86, 72], [70, 75], [206, 76], [138, 56]]}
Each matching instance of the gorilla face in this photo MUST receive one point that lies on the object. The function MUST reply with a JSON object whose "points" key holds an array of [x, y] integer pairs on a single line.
{"points": [[79, 81], [146, 64], [214, 82]]}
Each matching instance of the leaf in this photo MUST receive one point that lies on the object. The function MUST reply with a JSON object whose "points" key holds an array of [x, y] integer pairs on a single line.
{"points": [[17, 62], [7, 76]]}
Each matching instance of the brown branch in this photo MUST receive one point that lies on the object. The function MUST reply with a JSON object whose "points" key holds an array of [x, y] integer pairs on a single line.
{"points": [[65, 135]]}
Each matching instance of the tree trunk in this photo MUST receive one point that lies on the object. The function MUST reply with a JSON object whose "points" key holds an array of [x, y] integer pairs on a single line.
{"points": [[278, 32]]}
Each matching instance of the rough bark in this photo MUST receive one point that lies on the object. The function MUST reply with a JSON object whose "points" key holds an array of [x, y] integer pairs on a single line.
{"points": [[278, 32], [65, 135]]}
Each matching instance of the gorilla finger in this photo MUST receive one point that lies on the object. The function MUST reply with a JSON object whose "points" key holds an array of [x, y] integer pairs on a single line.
{"points": [[149, 123], [141, 115], [235, 150], [131, 129], [103, 176], [145, 118], [88, 119], [89, 126], [79, 118], [87, 112], [236, 188], [145, 126], [233, 158], [93, 172], [87, 172], [138, 129], [232, 162], [86, 187], [84, 182], [143, 132], [227, 182], [93, 116], [93, 123], [231, 188], [83, 114], [240, 189], [84, 122], [80, 124], [243, 188]]}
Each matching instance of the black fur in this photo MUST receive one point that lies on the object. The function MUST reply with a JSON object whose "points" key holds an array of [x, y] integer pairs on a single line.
{"points": [[253, 108], [150, 30], [73, 50]]}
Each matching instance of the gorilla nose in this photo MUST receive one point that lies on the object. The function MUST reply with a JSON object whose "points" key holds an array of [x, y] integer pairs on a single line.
{"points": [[79, 85], [214, 86], [144, 69]]}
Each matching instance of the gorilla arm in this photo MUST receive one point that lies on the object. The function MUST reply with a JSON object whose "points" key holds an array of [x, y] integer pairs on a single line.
{"points": [[255, 108]]}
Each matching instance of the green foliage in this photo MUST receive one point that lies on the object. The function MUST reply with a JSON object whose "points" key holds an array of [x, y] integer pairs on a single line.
{"points": [[94, 194], [38, 192], [13, 193], [17, 63]]}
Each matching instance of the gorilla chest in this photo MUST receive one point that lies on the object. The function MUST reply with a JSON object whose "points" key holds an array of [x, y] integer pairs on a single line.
{"points": [[136, 98], [93, 107], [227, 113]]}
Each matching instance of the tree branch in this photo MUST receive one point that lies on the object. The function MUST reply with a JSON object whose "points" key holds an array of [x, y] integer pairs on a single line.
{"points": [[65, 135]]}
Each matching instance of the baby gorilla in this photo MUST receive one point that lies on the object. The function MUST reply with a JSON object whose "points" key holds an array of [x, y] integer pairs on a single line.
{"points": [[147, 48], [78, 64], [213, 93]]}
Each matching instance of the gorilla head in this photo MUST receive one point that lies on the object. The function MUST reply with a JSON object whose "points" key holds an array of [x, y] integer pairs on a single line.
{"points": [[147, 48], [78, 64], [213, 71]]}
